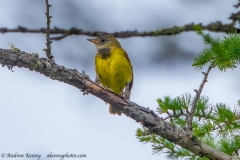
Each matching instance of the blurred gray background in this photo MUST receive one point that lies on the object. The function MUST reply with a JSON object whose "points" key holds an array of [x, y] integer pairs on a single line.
{"points": [[40, 116]]}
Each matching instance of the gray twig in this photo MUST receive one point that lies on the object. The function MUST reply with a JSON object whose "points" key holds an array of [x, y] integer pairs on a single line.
{"points": [[48, 41], [198, 94], [214, 27]]}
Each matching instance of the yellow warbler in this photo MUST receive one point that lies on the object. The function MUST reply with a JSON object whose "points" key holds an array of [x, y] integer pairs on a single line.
{"points": [[113, 67]]}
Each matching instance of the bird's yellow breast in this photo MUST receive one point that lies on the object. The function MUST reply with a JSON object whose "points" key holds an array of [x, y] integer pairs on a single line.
{"points": [[115, 70]]}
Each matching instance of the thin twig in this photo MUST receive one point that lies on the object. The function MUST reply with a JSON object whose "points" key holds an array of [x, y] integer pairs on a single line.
{"points": [[237, 5], [227, 122], [214, 27], [48, 41], [235, 17], [198, 94], [176, 115]]}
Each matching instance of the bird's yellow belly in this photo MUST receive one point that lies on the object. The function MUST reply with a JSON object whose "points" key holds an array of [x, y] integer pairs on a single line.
{"points": [[114, 72]]}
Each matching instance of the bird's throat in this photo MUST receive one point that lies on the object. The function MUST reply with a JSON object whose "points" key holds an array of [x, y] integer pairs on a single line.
{"points": [[104, 52]]}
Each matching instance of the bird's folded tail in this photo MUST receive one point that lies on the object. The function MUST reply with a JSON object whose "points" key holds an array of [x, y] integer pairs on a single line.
{"points": [[114, 110]]}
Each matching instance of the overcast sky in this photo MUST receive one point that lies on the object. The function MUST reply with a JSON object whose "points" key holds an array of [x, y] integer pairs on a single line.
{"points": [[39, 115]]}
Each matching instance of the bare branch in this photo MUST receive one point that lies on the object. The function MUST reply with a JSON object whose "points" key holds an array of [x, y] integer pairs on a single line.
{"points": [[235, 16], [154, 123], [214, 27], [237, 5], [198, 94], [48, 41]]}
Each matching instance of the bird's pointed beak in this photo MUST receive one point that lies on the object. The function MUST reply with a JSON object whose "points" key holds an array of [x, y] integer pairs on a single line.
{"points": [[93, 40]]}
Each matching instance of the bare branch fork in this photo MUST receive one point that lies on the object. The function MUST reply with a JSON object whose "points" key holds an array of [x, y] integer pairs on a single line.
{"points": [[148, 118]]}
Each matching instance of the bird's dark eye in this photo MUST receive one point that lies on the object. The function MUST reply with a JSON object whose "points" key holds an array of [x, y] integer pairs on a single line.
{"points": [[103, 40]]}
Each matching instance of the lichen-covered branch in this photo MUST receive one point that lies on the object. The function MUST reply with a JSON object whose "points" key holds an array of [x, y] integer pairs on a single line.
{"points": [[154, 123], [214, 27]]}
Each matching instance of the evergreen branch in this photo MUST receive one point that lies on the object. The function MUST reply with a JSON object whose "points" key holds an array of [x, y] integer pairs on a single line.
{"points": [[214, 27], [160, 145], [226, 123], [48, 42], [229, 145], [155, 124], [223, 54], [198, 94]]}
